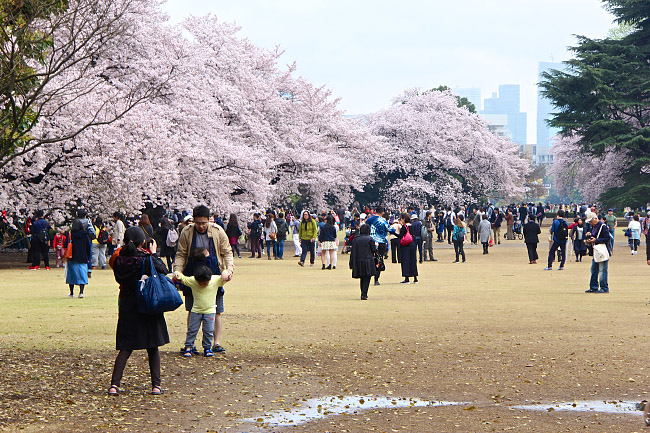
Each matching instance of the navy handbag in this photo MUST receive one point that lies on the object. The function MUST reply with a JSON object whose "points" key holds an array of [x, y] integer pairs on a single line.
{"points": [[157, 293]]}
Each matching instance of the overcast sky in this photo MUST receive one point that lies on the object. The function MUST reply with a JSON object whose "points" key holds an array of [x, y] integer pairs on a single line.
{"points": [[367, 51]]}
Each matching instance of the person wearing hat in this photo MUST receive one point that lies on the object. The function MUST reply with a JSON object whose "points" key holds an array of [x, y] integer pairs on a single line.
{"points": [[611, 225], [597, 233]]}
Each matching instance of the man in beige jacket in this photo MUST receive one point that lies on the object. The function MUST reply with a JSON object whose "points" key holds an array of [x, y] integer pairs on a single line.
{"points": [[200, 235]]}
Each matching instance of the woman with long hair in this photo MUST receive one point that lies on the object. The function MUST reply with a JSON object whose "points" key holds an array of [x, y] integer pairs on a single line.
{"points": [[307, 232], [147, 228], [270, 234], [136, 331], [458, 237], [233, 232], [327, 239], [76, 268], [407, 251], [578, 238]]}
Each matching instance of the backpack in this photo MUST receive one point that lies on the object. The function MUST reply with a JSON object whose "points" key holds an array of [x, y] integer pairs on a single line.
{"points": [[562, 233], [172, 238], [41, 236], [407, 239], [103, 236]]}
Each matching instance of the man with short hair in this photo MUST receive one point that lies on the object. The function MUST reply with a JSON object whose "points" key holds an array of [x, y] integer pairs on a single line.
{"points": [[611, 225], [496, 220], [203, 235], [40, 242], [430, 227], [560, 231], [379, 229]]}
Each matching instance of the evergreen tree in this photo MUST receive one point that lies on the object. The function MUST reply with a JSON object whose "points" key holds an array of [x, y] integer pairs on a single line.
{"points": [[603, 98]]}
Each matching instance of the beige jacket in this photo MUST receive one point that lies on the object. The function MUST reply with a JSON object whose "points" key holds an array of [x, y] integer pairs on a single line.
{"points": [[221, 244]]}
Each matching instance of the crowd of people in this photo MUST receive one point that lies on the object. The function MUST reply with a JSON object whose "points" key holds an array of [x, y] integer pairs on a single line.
{"points": [[198, 249]]}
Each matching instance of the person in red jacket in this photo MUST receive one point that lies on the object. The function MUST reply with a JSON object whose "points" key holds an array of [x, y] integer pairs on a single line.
{"points": [[59, 244]]}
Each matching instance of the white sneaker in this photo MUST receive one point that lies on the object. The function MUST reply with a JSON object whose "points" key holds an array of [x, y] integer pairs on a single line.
{"points": [[70, 295], [81, 295]]}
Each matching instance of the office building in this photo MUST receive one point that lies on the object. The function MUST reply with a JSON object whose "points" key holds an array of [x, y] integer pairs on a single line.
{"points": [[507, 102], [545, 109]]}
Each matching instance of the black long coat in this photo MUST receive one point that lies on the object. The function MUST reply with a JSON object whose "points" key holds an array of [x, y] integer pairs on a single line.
{"points": [[134, 330], [362, 261], [407, 255]]}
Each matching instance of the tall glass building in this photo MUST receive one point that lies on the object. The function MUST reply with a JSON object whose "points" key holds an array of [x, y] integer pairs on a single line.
{"points": [[507, 102], [545, 109]]}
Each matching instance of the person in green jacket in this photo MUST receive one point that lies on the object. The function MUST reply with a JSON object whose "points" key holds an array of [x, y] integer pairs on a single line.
{"points": [[307, 234]]}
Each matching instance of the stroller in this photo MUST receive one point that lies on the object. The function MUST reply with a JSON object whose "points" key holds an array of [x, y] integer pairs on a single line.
{"points": [[516, 232], [349, 236]]}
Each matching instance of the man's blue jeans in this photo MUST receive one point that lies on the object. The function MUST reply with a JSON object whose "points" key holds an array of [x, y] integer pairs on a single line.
{"points": [[551, 253], [599, 275], [418, 245], [279, 248]]}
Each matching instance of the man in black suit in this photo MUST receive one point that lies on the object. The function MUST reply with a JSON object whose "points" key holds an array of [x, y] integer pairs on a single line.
{"points": [[531, 231]]}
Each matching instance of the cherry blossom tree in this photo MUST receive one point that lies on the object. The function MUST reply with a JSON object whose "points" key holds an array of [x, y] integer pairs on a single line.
{"points": [[231, 130], [591, 176], [434, 151], [55, 54]]}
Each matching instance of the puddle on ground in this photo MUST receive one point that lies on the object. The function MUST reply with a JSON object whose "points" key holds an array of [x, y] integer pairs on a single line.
{"points": [[318, 408], [587, 406]]}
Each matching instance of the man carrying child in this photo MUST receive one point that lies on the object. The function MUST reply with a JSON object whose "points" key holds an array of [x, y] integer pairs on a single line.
{"points": [[204, 288], [205, 236]]}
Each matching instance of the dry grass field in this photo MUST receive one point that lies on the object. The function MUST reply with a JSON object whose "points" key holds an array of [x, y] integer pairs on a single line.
{"points": [[492, 334]]}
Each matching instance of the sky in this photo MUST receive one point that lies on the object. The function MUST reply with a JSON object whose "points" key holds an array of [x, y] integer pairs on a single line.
{"points": [[367, 52]]}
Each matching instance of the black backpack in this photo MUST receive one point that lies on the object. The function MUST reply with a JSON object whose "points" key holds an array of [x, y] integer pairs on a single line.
{"points": [[103, 236], [562, 233]]}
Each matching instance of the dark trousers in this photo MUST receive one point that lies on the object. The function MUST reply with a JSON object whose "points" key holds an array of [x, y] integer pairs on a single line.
{"points": [[235, 248], [364, 282], [473, 234], [40, 249], [532, 252], [307, 245], [428, 248], [551, 253], [120, 364], [485, 247], [394, 250], [459, 249], [418, 245], [255, 246], [450, 229], [382, 249]]}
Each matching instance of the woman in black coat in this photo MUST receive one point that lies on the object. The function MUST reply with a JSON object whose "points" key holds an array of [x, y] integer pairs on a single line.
{"points": [[407, 252], [362, 259], [134, 330]]}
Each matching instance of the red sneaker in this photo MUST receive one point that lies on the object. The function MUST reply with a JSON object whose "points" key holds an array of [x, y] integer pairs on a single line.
{"points": [[47, 268], [34, 268]]}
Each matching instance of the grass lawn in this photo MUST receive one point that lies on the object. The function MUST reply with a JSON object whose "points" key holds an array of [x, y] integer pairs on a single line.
{"points": [[493, 333]]}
